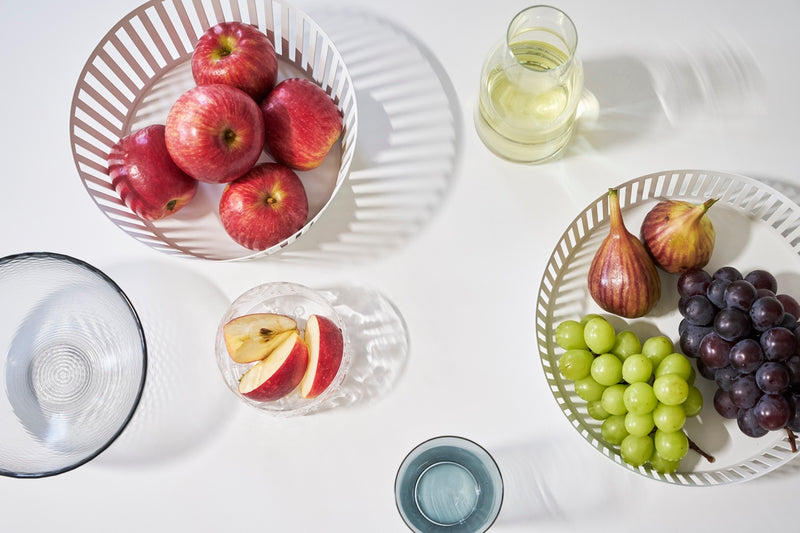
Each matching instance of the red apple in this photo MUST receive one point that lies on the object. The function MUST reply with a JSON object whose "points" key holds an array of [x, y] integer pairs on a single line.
{"points": [[325, 350], [215, 133], [145, 177], [279, 373], [252, 337], [237, 54], [302, 123], [264, 207]]}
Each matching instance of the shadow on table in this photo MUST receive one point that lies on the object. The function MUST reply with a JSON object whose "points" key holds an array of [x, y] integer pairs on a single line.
{"points": [[379, 344], [641, 95], [409, 140], [185, 401], [556, 481]]}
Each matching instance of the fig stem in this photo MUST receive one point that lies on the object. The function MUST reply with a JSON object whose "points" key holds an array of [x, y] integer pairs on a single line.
{"points": [[614, 212], [708, 203], [693, 446]]}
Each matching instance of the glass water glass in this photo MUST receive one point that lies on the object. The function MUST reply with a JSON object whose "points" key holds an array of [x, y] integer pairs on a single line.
{"points": [[449, 484]]}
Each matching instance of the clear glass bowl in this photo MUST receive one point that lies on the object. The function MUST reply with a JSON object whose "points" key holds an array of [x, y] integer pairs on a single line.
{"points": [[143, 64], [756, 226], [74, 363]]}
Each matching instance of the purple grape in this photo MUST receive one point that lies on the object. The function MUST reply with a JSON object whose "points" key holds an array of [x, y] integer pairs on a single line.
{"points": [[772, 377], [772, 412], [704, 371], [732, 324], [697, 309], [744, 391], [790, 305], [793, 366], [693, 282], [740, 294], [714, 351], [748, 424], [766, 312], [724, 405], [724, 377], [778, 344], [716, 291], [794, 422], [746, 356], [727, 272], [691, 337], [789, 321], [761, 279], [764, 292]]}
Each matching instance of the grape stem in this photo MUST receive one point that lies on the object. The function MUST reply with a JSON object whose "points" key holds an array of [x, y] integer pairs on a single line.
{"points": [[792, 439], [693, 445]]}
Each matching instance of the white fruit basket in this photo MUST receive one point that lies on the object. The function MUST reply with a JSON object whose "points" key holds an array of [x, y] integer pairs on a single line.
{"points": [[757, 227], [143, 65]]}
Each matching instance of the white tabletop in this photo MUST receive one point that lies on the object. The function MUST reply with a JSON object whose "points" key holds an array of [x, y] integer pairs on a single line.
{"points": [[466, 281]]}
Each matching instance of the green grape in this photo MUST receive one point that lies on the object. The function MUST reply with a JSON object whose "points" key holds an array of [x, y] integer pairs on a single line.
{"points": [[589, 316], [636, 368], [694, 402], [660, 464], [636, 450], [669, 417], [671, 445], [613, 429], [627, 344], [596, 411], [612, 399], [569, 335], [657, 348], [607, 369], [675, 363], [671, 389], [575, 364], [599, 335], [639, 424], [639, 398], [588, 389]]}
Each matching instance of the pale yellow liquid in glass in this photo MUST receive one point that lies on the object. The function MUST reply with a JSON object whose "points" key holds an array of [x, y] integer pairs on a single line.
{"points": [[526, 112]]}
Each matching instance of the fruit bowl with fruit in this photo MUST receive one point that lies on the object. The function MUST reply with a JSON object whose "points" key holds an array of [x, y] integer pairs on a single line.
{"points": [[667, 326], [218, 133], [284, 349]]}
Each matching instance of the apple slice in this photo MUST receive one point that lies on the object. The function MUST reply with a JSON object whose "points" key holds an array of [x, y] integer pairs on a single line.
{"points": [[325, 350], [279, 373], [252, 337]]}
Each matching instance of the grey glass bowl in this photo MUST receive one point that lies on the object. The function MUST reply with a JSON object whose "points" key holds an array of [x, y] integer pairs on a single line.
{"points": [[73, 361]]}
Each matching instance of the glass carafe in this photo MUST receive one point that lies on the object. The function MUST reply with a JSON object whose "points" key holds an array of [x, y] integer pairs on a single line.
{"points": [[530, 87]]}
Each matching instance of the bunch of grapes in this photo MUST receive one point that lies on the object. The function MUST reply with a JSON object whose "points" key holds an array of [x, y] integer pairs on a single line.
{"points": [[642, 392], [745, 336]]}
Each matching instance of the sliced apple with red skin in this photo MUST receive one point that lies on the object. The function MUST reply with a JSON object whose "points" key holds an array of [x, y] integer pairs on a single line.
{"points": [[325, 351], [279, 373], [252, 337]]}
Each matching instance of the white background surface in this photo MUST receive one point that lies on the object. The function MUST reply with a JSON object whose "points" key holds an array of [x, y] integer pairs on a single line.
{"points": [[466, 284]]}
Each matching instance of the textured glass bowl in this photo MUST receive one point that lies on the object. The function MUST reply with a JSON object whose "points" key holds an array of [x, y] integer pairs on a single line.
{"points": [[143, 64], [757, 227], [298, 302], [73, 364]]}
